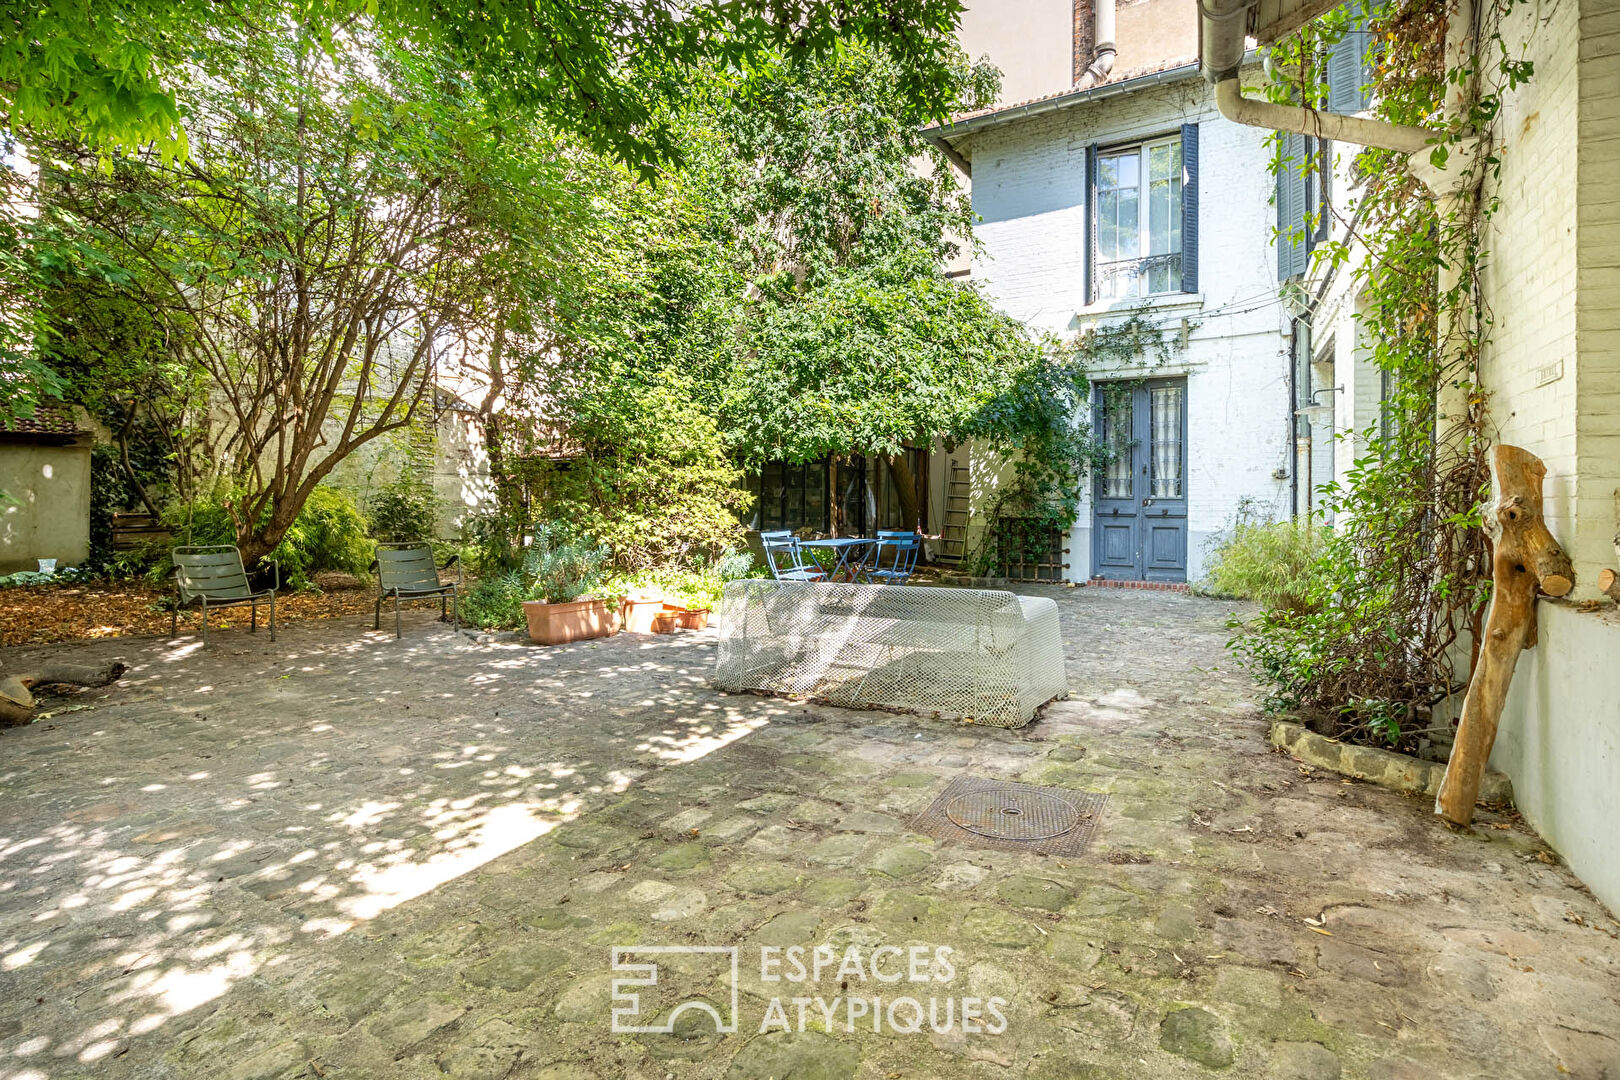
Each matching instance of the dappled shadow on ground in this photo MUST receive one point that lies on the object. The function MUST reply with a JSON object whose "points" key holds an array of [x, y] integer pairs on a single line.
{"points": [[223, 809], [346, 856]]}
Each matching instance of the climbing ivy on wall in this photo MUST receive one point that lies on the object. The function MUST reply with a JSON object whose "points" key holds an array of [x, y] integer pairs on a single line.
{"points": [[1038, 423], [1402, 583]]}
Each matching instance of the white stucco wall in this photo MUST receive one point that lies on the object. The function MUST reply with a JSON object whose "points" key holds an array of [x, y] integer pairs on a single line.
{"points": [[1031, 41], [46, 514], [1029, 188]]}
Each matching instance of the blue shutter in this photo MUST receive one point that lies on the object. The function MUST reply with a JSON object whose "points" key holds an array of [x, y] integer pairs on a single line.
{"points": [[1189, 208], [1292, 250], [1091, 224], [1349, 68]]}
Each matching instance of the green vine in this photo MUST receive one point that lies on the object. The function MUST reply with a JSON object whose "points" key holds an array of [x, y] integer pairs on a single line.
{"points": [[1034, 426], [1403, 579]]}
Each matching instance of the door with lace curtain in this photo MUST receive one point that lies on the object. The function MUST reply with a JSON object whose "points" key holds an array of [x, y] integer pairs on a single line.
{"points": [[1139, 509]]}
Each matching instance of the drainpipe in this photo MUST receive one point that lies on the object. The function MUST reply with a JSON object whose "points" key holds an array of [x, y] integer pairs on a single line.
{"points": [[1103, 51], [1293, 420], [1455, 188], [1222, 27], [1338, 127]]}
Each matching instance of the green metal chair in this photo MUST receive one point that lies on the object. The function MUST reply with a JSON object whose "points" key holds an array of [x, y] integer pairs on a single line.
{"points": [[407, 572], [212, 574]]}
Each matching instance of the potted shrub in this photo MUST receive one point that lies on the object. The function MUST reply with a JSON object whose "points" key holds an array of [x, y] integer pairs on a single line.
{"points": [[562, 574]]}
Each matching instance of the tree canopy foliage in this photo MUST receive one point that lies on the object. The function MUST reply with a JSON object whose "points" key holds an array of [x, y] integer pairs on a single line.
{"points": [[371, 205], [110, 72]]}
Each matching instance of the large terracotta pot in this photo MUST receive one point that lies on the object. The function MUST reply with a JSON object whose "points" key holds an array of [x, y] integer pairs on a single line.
{"points": [[693, 619], [578, 620], [637, 613], [667, 621]]}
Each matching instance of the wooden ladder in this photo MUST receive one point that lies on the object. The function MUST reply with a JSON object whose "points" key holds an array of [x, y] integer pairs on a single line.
{"points": [[953, 534]]}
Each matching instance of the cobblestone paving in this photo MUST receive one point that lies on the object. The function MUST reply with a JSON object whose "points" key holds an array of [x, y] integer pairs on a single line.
{"points": [[346, 856]]}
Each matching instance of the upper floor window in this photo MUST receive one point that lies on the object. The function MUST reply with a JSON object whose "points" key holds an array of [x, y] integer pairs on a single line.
{"points": [[1139, 220], [1144, 218]]}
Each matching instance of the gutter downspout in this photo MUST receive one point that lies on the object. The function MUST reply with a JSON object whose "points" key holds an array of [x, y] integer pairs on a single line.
{"points": [[1222, 29], [1103, 52], [1338, 127]]}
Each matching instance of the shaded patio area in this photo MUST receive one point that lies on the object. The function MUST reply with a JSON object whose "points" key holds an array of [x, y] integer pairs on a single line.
{"points": [[345, 856]]}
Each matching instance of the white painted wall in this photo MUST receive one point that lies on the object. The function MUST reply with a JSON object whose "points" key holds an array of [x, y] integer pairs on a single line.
{"points": [[1029, 188], [47, 514], [1556, 248]]}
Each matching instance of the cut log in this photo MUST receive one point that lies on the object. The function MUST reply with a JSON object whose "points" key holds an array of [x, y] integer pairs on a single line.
{"points": [[1609, 583], [17, 700], [1525, 559]]}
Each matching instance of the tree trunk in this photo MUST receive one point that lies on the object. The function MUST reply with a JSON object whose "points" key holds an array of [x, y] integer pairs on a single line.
{"points": [[905, 486], [17, 702], [1525, 559]]}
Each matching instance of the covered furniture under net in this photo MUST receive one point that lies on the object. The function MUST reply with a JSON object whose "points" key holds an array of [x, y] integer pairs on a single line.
{"points": [[986, 656]]}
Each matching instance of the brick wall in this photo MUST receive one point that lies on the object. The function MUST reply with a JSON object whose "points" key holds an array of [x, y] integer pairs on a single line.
{"points": [[1556, 293], [1529, 280], [1597, 283]]}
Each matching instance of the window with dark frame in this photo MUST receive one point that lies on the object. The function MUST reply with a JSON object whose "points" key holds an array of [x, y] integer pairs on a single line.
{"points": [[1139, 219]]}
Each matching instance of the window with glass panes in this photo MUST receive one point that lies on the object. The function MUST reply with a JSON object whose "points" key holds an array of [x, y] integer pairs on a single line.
{"points": [[1118, 440], [1139, 220], [790, 496]]}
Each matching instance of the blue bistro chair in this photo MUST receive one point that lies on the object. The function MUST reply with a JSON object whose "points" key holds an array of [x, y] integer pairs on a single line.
{"points": [[894, 557], [787, 559]]}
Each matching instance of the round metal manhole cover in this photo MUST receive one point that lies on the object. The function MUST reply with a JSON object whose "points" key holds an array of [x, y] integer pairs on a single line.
{"points": [[1013, 815]]}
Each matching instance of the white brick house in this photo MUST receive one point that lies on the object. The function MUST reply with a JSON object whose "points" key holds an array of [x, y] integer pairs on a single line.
{"points": [[1551, 366], [1136, 197]]}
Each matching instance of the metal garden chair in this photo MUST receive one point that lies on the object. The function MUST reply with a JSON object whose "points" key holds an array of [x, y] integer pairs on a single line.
{"points": [[894, 557], [787, 559], [408, 572], [212, 574]]}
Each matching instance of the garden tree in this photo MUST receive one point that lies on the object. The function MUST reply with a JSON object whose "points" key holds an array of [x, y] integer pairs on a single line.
{"points": [[326, 244], [24, 272], [113, 76], [872, 360], [842, 218], [112, 355], [652, 479], [789, 278], [112, 73]]}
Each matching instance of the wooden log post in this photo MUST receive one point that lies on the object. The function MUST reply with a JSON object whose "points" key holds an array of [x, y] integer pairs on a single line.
{"points": [[1609, 584], [1525, 559], [16, 691], [1608, 580]]}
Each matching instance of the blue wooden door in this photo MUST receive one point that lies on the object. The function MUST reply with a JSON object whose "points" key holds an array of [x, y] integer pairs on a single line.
{"points": [[1139, 515]]}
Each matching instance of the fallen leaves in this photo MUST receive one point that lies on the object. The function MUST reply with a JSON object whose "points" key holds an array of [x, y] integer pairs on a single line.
{"points": [[47, 614]]}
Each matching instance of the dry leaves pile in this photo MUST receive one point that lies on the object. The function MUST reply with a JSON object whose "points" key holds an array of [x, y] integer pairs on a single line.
{"points": [[45, 614]]}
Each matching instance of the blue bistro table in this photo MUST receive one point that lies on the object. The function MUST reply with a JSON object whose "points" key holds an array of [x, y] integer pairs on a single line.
{"points": [[846, 548]]}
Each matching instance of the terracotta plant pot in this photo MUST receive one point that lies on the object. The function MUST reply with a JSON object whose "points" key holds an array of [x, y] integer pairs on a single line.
{"points": [[693, 619], [666, 621], [578, 620], [637, 613]]}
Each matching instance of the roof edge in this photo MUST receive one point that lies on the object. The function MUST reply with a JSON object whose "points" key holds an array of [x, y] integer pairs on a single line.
{"points": [[1064, 100]]}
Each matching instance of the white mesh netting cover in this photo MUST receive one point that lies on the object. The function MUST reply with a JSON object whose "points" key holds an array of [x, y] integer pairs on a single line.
{"points": [[990, 657]]}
